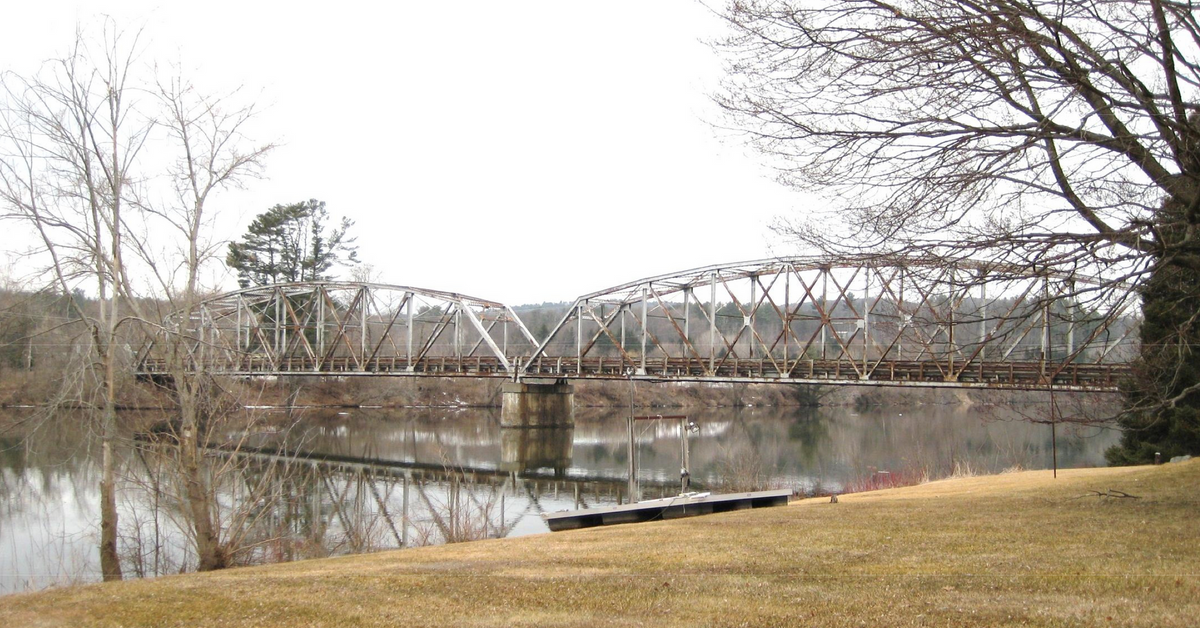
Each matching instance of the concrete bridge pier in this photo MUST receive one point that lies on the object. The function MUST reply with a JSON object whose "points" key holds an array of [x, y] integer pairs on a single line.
{"points": [[537, 403]]}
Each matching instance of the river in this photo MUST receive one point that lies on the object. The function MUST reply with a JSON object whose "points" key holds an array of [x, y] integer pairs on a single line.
{"points": [[328, 482]]}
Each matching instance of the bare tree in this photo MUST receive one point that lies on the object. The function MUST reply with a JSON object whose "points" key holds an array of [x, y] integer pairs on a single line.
{"points": [[210, 153], [1044, 135], [71, 139], [112, 166]]}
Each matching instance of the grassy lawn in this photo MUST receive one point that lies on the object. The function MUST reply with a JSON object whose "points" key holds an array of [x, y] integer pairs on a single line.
{"points": [[1016, 549]]}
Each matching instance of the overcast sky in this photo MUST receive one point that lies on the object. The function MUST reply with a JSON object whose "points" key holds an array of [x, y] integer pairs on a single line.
{"points": [[518, 151]]}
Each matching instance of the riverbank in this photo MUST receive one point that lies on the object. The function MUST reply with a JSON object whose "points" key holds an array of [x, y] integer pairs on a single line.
{"points": [[23, 389], [467, 392], [1094, 547]]}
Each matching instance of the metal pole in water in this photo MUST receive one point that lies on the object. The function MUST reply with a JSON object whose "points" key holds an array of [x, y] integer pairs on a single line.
{"points": [[633, 483], [685, 476]]}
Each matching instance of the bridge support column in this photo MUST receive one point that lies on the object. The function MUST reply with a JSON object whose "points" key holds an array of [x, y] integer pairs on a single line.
{"points": [[536, 404]]}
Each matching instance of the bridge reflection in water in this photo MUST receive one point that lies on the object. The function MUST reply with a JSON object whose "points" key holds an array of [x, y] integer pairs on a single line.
{"points": [[460, 482], [365, 505], [380, 479], [429, 485]]}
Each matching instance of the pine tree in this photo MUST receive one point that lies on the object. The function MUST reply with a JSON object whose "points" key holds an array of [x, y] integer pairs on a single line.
{"points": [[290, 243]]}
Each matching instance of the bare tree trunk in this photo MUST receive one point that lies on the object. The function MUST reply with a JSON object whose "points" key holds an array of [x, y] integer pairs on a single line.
{"points": [[110, 560], [198, 492]]}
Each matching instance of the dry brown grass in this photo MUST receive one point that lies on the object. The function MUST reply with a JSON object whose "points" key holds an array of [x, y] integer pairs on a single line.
{"points": [[1014, 549]]}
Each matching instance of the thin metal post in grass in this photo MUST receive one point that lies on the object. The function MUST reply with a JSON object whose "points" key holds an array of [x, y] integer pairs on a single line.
{"points": [[1053, 431]]}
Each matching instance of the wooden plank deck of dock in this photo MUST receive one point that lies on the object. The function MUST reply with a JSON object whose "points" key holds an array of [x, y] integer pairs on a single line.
{"points": [[686, 505]]}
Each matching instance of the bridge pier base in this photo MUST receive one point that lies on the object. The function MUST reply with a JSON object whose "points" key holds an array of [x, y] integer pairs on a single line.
{"points": [[529, 404]]}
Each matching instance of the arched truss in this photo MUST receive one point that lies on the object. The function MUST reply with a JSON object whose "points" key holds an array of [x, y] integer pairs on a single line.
{"points": [[341, 328], [867, 321]]}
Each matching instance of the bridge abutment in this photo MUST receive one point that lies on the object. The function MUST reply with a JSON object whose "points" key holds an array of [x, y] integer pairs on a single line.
{"points": [[533, 404]]}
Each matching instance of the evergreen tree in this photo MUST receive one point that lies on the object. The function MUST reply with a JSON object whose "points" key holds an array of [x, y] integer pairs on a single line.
{"points": [[289, 243], [1162, 413]]}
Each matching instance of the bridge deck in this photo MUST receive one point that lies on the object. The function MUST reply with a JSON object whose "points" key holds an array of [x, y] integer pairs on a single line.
{"points": [[1010, 375]]}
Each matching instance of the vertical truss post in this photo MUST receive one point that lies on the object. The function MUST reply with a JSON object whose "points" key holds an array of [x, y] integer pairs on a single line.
{"points": [[712, 330], [787, 315], [278, 324], [901, 323], [364, 315], [1070, 311], [320, 298], [687, 318], [826, 320], [645, 322], [950, 318], [866, 345], [749, 320], [579, 338], [408, 340], [238, 341], [283, 326], [1045, 322], [621, 314], [458, 330], [982, 317]]}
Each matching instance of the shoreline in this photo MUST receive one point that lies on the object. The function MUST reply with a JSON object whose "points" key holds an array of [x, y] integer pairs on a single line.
{"points": [[1111, 546]]}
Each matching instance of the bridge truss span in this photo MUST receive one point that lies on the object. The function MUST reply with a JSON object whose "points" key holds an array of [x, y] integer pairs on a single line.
{"points": [[875, 321], [343, 328], [869, 321]]}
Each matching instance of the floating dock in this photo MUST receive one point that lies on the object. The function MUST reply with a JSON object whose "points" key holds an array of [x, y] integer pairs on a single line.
{"points": [[687, 505]]}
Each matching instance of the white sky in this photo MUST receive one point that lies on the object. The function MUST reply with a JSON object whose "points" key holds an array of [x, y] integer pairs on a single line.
{"points": [[519, 151]]}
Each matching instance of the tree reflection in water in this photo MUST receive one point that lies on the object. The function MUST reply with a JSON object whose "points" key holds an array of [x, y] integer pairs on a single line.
{"points": [[363, 481]]}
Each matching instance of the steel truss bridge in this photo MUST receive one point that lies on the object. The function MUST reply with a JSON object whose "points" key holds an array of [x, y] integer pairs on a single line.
{"points": [[891, 322]]}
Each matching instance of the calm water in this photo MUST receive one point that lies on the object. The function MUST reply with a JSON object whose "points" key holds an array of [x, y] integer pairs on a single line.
{"points": [[409, 477]]}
